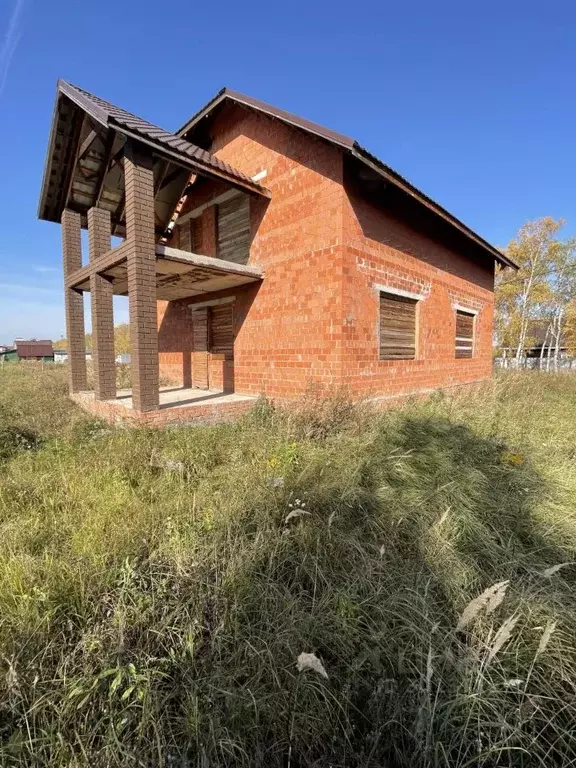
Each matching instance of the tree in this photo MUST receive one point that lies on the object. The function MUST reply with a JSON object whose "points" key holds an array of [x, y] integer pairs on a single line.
{"points": [[121, 340], [562, 282], [570, 328], [522, 297]]}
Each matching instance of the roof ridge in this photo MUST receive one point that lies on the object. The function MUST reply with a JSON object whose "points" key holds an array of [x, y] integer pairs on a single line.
{"points": [[270, 109], [359, 152]]}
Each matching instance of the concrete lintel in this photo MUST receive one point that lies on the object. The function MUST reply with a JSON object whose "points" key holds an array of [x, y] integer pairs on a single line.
{"points": [[212, 303], [400, 292]]}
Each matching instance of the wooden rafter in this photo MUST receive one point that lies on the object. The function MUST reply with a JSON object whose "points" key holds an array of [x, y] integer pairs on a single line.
{"points": [[86, 144], [70, 171], [182, 197], [108, 146]]}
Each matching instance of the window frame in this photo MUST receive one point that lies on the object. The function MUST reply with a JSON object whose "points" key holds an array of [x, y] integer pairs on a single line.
{"points": [[399, 294], [473, 313]]}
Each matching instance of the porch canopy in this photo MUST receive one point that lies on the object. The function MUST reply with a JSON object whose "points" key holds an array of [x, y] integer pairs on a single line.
{"points": [[117, 174], [85, 162]]}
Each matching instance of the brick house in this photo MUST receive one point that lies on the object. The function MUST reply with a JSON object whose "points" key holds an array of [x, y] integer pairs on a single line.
{"points": [[260, 254]]}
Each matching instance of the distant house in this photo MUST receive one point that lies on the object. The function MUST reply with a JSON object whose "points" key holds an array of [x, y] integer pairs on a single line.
{"points": [[539, 350], [32, 349]]}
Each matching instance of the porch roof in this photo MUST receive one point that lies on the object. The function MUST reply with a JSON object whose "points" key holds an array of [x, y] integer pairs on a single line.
{"points": [[182, 275], [85, 154]]}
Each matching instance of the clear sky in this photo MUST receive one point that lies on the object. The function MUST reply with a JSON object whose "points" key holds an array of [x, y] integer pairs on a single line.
{"points": [[472, 101]]}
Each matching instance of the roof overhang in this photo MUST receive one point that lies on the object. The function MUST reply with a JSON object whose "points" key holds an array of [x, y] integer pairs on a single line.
{"points": [[352, 147], [84, 160]]}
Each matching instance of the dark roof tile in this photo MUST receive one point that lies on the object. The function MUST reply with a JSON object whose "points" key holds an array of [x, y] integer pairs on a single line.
{"points": [[109, 114]]}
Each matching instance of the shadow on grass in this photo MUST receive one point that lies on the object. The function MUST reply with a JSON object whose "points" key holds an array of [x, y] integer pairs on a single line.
{"points": [[191, 644]]}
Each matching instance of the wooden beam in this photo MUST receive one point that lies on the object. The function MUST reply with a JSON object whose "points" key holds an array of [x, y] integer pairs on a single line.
{"points": [[181, 199], [171, 177], [163, 167], [108, 146], [195, 212], [76, 131], [86, 144]]}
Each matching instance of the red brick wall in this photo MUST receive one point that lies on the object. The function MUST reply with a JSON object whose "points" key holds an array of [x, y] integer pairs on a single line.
{"points": [[314, 318], [381, 250], [175, 341], [288, 331]]}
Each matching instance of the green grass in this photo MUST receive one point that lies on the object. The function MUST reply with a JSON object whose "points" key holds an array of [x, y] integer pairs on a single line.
{"points": [[155, 594]]}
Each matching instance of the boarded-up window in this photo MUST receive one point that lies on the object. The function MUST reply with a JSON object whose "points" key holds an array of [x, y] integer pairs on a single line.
{"points": [[464, 334], [397, 327], [185, 233], [221, 331], [234, 230]]}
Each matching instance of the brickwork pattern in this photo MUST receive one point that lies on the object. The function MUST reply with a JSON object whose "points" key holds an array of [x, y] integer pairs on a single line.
{"points": [[175, 341], [200, 346], [141, 265], [74, 302], [99, 237], [381, 250], [325, 249], [288, 330], [194, 414]]}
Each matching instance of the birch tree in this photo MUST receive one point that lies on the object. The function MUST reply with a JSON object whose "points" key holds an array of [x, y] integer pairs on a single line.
{"points": [[522, 297], [563, 291]]}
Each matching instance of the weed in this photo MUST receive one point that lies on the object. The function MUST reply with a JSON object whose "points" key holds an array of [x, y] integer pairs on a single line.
{"points": [[326, 586]]}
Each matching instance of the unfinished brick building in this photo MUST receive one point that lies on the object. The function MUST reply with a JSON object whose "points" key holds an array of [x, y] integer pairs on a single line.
{"points": [[261, 254]]}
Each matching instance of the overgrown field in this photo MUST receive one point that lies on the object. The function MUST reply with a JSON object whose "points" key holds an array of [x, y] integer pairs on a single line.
{"points": [[158, 587]]}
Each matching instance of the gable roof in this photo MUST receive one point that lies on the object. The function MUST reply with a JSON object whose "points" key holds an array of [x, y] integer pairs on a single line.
{"points": [[113, 120], [352, 147], [34, 348]]}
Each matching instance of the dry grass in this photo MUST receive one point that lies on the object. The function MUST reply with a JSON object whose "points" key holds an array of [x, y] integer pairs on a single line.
{"points": [[161, 590]]}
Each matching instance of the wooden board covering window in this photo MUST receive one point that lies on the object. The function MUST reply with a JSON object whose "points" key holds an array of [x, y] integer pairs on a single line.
{"points": [[397, 327], [464, 334], [221, 330], [185, 235], [234, 230]]}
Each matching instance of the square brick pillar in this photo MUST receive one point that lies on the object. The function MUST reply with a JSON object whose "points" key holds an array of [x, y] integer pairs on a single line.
{"points": [[141, 264], [74, 302], [99, 234], [200, 342]]}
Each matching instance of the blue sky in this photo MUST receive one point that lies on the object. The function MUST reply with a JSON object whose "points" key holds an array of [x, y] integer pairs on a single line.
{"points": [[473, 102]]}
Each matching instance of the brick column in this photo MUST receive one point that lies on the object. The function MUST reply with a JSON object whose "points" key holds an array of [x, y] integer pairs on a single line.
{"points": [[74, 302], [141, 263], [200, 354], [99, 232]]}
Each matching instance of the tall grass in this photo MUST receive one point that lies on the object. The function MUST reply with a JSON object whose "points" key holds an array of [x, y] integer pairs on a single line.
{"points": [[329, 586]]}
